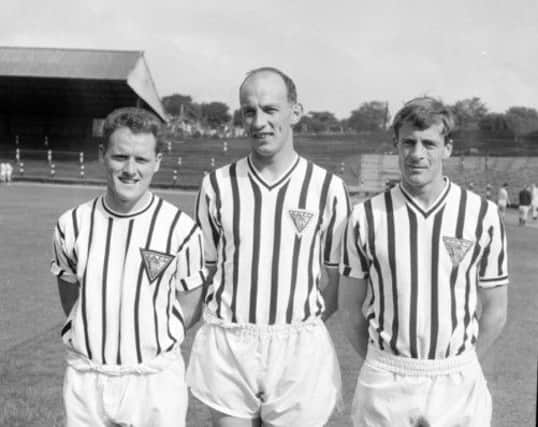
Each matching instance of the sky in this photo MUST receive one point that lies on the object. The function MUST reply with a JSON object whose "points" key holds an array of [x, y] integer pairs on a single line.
{"points": [[340, 53]]}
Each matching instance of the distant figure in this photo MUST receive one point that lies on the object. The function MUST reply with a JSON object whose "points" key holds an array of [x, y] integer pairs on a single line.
{"points": [[534, 201], [8, 172], [525, 199], [502, 199], [2, 172], [470, 186]]}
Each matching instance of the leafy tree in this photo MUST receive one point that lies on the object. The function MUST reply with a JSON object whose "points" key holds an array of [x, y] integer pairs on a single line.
{"points": [[237, 118], [178, 105], [370, 116], [215, 114], [469, 112], [318, 122], [522, 120], [494, 123]]}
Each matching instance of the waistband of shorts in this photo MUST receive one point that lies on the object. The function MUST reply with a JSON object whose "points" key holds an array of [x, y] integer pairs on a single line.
{"points": [[262, 329], [418, 367], [157, 364]]}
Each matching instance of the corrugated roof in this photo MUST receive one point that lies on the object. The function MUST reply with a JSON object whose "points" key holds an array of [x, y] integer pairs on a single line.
{"points": [[67, 63], [83, 64]]}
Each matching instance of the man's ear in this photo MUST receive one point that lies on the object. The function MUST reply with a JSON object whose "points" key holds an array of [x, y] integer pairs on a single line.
{"points": [[101, 152], [448, 148], [297, 113], [158, 162]]}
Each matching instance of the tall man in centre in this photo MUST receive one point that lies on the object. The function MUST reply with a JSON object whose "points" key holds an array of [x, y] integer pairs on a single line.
{"points": [[270, 221]]}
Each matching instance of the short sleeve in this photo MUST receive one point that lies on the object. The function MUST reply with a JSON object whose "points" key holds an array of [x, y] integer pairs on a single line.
{"points": [[354, 261], [493, 269], [205, 210], [64, 261], [339, 208], [191, 272]]}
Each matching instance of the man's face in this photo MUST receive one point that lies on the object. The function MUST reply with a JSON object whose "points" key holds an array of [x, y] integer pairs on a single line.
{"points": [[268, 115], [421, 154], [130, 161]]}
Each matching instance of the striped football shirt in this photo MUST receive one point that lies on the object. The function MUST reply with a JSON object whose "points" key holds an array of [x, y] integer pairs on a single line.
{"points": [[268, 241], [128, 268], [423, 268]]}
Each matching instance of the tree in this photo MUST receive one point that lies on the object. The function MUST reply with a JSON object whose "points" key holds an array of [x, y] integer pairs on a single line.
{"points": [[318, 122], [494, 123], [215, 114], [181, 106], [237, 118], [522, 120], [468, 112], [370, 116]]}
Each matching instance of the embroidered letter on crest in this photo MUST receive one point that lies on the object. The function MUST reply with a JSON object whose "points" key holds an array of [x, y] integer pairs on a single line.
{"points": [[300, 218], [155, 263], [456, 248]]}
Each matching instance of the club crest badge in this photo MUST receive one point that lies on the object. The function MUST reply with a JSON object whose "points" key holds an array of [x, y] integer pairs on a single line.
{"points": [[155, 263], [456, 248], [300, 218]]}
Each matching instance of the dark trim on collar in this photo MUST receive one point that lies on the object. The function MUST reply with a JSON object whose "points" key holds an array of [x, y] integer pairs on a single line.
{"points": [[129, 215], [440, 200], [284, 177]]}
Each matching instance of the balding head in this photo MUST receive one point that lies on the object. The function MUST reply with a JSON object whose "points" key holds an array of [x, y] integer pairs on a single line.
{"points": [[291, 90]]}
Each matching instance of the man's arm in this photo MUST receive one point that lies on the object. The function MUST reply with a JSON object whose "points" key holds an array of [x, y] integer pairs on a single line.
{"points": [[192, 301], [494, 303], [351, 295], [330, 293], [68, 294]]}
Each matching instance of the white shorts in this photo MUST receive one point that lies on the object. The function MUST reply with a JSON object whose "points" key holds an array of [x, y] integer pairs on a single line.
{"points": [[287, 375], [396, 391], [153, 394]]}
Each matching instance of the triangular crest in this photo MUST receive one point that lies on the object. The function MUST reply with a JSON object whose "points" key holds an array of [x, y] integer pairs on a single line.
{"points": [[456, 248], [155, 263], [300, 218]]}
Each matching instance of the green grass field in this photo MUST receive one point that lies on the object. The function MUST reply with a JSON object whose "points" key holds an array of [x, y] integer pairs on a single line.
{"points": [[31, 352]]}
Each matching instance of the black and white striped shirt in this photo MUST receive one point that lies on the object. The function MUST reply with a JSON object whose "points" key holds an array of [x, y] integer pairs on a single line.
{"points": [[127, 268], [268, 241], [423, 268]]}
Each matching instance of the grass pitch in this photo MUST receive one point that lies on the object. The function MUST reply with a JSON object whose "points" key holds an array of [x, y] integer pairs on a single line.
{"points": [[31, 352]]}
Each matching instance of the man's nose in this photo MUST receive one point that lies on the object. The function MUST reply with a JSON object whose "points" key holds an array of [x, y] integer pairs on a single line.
{"points": [[259, 120], [417, 150], [130, 167]]}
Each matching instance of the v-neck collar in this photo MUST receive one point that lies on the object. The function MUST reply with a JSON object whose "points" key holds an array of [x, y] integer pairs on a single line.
{"points": [[270, 185], [435, 205]]}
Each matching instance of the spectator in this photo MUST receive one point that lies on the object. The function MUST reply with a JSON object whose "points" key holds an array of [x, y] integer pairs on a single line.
{"points": [[525, 199], [8, 172], [534, 201]]}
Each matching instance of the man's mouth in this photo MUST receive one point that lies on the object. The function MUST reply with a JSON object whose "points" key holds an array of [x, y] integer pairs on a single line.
{"points": [[127, 180], [416, 167], [261, 135]]}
